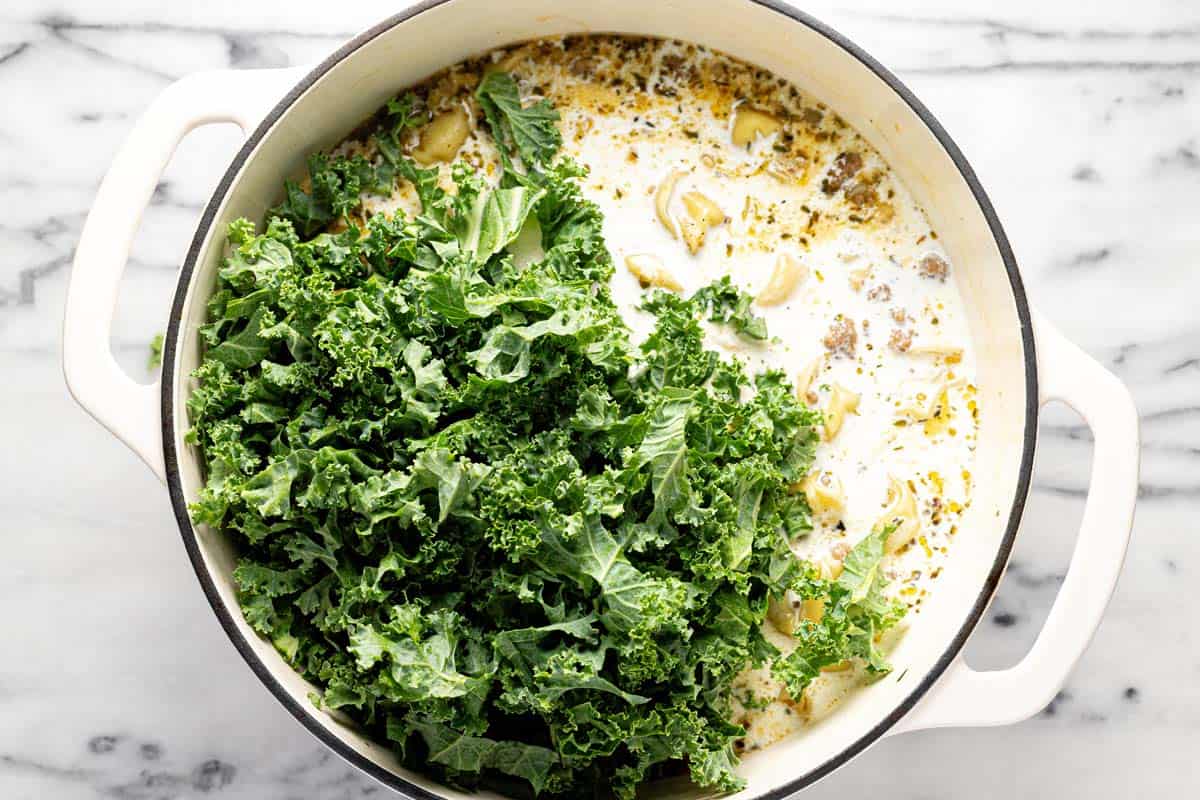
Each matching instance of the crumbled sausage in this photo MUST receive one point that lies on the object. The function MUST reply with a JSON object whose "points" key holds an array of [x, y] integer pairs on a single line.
{"points": [[675, 67], [842, 337], [935, 509], [880, 294], [583, 67], [860, 194], [933, 266], [845, 166], [900, 340]]}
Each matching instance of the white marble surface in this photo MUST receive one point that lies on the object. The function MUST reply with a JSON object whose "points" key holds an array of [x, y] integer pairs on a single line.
{"points": [[1084, 125]]}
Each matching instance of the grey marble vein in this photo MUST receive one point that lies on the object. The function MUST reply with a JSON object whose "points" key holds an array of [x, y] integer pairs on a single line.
{"points": [[993, 27], [1085, 65]]}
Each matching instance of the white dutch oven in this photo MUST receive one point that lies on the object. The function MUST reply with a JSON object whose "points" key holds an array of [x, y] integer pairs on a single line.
{"points": [[1023, 361]]}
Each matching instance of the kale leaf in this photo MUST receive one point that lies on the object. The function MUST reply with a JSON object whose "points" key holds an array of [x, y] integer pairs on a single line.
{"points": [[528, 131], [494, 532], [728, 304]]}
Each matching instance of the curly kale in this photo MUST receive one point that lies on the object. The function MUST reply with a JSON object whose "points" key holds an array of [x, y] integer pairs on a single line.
{"points": [[494, 532]]}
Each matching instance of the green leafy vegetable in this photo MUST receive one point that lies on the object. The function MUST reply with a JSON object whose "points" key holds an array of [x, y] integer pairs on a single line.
{"points": [[528, 130], [154, 360], [494, 532], [726, 303], [855, 611]]}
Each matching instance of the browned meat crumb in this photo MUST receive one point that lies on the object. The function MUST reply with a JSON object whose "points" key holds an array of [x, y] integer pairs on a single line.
{"points": [[861, 194], [583, 67], [900, 340], [933, 266], [845, 166], [842, 337], [899, 315], [880, 294]]}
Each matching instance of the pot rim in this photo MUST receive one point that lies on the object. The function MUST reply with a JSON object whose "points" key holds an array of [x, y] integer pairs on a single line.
{"points": [[304, 714]]}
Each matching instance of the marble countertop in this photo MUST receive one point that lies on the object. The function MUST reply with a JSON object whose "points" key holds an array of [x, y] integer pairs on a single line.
{"points": [[115, 678]]}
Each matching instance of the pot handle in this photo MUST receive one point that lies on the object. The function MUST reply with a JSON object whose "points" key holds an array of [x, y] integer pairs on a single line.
{"points": [[127, 408], [969, 698]]}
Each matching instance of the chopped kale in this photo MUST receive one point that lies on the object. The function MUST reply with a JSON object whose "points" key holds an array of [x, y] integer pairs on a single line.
{"points": [[495, 533]]}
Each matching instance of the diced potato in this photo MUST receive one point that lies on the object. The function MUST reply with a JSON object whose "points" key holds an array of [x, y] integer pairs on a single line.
{"points": [[750, 123], [694, 234], [442, 137], [824, 494], [804, 379], [789, 273], [649, 271], [901, 511], [662, 201], [842, 401], [786, 612], [703, 214], [812, 610], [835, 569], [702, 209]]}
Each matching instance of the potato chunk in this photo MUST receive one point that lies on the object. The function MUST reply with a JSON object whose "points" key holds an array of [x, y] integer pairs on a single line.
{"points": [[442, 137], [901, 512], [662, 202], [842, 401], [703, 214], [824, 494], [750, 123], [787, 275], [649, 271]]}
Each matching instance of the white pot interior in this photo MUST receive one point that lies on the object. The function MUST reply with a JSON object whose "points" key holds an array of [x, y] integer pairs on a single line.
{"points": [[411, 50]]}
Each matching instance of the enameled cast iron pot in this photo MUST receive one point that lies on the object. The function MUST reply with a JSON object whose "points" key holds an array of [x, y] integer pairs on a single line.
{"points": [[1023, 361]]}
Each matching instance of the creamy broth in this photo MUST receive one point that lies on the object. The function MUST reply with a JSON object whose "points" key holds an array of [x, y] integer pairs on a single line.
{"points": [[642, 113]]}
